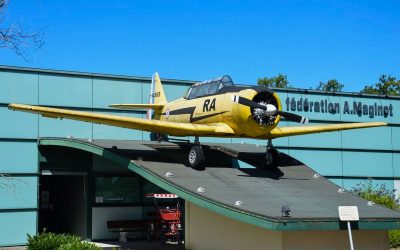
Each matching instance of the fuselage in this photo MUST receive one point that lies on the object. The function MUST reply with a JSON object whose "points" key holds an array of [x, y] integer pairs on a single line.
{"points": [[219, 108]]}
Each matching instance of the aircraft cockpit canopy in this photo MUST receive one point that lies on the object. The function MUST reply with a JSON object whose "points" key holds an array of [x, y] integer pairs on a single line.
{"points": [[208, 87]]}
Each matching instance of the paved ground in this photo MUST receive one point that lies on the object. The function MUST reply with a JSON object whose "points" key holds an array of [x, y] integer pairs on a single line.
{"points": [[139, 245], [132, 245]]}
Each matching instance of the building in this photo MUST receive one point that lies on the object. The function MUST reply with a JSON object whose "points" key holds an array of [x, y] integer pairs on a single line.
{"points": [[346, 158]]}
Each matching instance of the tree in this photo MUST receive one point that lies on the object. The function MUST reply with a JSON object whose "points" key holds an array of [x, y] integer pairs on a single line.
{"points": [[279, 81], [14, 36], [331, 85], [387, 85], [383, 196]]}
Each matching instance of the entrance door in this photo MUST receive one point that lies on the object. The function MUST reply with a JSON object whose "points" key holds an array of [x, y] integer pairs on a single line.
{"points": [[63, 203]]}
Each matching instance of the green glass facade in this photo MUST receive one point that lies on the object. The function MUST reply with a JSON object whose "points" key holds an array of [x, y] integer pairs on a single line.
{"points": [[347, 157]]}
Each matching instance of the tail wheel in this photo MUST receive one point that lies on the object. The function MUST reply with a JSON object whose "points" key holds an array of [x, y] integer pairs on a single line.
{"points": [[196, 158], [271, 159]]}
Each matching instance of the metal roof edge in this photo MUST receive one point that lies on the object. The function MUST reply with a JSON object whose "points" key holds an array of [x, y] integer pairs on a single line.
{"points": [[282, 224], [94, 75], [326, 93], [187, 82]]}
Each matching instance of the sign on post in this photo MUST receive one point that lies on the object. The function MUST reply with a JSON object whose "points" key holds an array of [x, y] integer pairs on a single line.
{"points": [[349, 213]]}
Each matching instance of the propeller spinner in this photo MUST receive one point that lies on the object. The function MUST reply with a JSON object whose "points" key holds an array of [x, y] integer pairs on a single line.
{"points": [[263, 110]]}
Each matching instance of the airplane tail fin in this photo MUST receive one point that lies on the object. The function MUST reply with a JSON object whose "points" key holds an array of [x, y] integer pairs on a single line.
{"points": [[157, 96], [157, 91]]}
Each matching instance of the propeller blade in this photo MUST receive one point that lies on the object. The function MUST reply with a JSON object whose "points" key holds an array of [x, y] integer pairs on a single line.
{"points": [[247, 102], [293, 117], [270, 110]]}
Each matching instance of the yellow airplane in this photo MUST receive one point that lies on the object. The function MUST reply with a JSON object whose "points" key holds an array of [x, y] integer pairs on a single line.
{"points": [[214, 108]]}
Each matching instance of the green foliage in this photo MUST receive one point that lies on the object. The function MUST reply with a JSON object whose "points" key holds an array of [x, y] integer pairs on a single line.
{"points": [[52, 241], [383, 196], [379, 194], [394, 238], [387, 85], [279, 81], [79, 246], [331, 85]]}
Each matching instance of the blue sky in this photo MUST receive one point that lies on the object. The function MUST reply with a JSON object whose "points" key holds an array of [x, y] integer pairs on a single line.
{"points": [[310, 41]]}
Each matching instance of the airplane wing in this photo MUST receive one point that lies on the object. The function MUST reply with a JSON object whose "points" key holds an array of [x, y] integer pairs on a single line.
{"points": [[157, 126], [138, 106], [302, 130]]}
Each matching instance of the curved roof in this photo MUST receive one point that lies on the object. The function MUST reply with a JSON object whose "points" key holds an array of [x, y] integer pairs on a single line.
{"points": [[248, 195]]}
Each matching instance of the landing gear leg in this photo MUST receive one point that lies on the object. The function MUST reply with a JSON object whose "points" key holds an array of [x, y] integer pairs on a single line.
{"points": [[196, 155], [271, 156], [158, 137]]}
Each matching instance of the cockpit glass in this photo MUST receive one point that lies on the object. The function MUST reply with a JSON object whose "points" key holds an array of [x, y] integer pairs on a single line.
{"points": [[195, 90], [227, 80], [188, 92], [208, 87], [204, 90], [213, 88]]}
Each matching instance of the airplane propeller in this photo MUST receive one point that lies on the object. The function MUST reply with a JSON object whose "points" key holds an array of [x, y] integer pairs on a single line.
{"points": [[269, 109]]}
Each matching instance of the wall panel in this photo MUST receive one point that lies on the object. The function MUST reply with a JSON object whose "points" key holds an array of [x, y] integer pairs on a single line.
{"points": [[395, 140], [173, 92], [49, 127], [372, 164], [15, 226], [322, 161], [378, 138], [19, 87], [319, 140], [316, 106], [18, 157], [18, 192], [396, 164], [59, 90], [18, 124], [106, 92], [369, 116], [396, 111], [109, 132]]}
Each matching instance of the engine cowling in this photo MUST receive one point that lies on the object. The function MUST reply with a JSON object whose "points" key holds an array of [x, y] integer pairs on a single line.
{"points": [[249, 121]]}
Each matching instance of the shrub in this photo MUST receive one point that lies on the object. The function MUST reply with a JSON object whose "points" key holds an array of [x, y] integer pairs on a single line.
{"points": [[394, 238], [79, 246], [383, 196], [52, 241]]}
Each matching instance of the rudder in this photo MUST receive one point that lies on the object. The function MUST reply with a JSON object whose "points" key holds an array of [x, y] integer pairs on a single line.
{"points": [[157, 92]]}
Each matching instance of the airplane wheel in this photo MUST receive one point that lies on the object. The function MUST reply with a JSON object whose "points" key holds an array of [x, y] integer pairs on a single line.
{"points": [[271, 159], [196, 158]]}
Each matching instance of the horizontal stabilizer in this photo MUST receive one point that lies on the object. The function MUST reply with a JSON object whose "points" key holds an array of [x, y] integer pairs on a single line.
{"points": [[138, 106]]}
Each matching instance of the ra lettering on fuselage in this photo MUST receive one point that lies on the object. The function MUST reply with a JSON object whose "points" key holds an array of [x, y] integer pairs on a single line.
{"points": [[209, 105]]}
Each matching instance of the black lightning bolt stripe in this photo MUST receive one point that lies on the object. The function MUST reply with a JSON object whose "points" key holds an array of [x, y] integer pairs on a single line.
{"points": [[190, 110]]}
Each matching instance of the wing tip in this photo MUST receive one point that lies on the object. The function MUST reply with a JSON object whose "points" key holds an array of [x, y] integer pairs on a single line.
{"points": [[15, 106]]}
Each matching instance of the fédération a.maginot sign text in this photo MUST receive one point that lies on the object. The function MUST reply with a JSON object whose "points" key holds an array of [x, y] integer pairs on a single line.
{"points": [[351, 108]]}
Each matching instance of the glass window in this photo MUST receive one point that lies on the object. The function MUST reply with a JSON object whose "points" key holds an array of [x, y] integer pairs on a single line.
{"points": [[213, 88], [194, 92], [227, 81], [188, 92], [117, 190], [204, 90]]}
